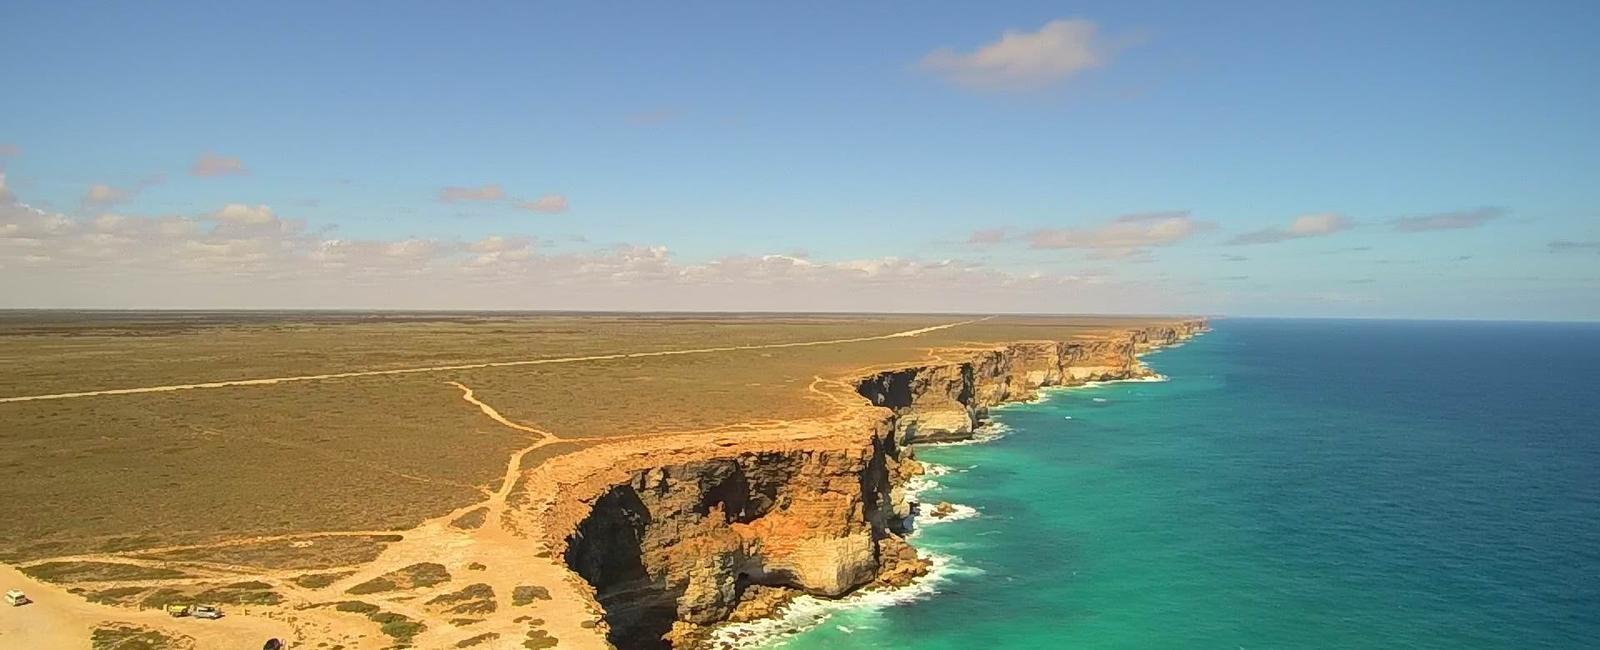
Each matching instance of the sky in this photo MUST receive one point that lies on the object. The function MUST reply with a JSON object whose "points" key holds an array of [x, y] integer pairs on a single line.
{"points": [[1354, 159]]}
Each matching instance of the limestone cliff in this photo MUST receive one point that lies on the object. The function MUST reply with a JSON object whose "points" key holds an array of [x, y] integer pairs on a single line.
{"points": [[675, 546], [945, 402]]}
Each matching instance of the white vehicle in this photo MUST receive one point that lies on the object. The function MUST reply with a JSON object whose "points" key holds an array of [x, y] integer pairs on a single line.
{"points": [[16, 598]]}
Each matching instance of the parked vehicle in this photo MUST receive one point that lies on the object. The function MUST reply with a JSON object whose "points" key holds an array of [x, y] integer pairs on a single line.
{"points": [[205, 611], [177, 611], [16, 598]]}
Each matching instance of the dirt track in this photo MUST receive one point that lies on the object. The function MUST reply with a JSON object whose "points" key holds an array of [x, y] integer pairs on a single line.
{"points": [[472, 366]]}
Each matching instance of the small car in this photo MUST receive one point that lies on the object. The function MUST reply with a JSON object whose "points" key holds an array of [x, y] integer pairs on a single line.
{"points": [[205, 611], [16, 598]]}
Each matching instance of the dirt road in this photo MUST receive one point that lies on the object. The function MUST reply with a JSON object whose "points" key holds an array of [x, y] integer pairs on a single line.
{"points": [[471, 366]]}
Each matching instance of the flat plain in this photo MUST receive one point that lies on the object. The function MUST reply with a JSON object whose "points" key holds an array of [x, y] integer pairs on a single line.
{"points": [[266, 459]]}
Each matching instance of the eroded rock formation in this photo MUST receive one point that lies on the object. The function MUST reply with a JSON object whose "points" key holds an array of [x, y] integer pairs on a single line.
{"points": [[676, 547]]}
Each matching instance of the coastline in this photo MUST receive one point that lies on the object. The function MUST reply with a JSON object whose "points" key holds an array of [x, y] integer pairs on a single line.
{"points": [[805, 613], [683, 541]]}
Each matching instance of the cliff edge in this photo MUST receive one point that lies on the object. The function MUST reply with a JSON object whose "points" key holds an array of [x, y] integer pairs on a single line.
{"points": [[674, 536]]}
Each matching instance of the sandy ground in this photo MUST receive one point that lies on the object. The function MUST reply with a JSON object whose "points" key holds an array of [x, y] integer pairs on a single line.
{"points": [[58, 619]]}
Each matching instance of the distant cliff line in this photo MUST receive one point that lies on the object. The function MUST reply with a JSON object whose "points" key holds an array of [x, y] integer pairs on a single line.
{"points": [[673, 542]]}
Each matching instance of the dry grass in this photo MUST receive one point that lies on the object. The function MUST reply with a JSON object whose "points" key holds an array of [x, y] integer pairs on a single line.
{"points": [[526, 594], [376, 452], [121, 636], [425, 574], [114, 595], [401, 628], [98, 572], [539, 639], [117, 350], [203, 465], [308, 554], [477, 598], [356, 606], [319, 580], [250, 592], [471, 519], [477, 640]]}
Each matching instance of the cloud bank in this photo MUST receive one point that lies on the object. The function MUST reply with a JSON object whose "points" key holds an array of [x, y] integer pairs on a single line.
{"points": [[249, 256]]}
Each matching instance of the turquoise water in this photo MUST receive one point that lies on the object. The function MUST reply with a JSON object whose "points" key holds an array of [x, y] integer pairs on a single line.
{"points": [[1297, 484]]}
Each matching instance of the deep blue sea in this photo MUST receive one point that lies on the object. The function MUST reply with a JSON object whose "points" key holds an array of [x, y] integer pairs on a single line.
{"points": [[1295, 484]]}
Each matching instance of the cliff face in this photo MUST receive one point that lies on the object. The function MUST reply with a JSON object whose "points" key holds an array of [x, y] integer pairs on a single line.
{"points": [[946, 402], [679, 547], [676, 548]]}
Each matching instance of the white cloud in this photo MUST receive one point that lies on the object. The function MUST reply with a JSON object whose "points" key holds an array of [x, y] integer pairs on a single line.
{"points": [[1125, 237], [491, 192], [239, 213], [499, 244], [549, 203], [5, 194], [1024, 60], [1309, 225], [211, 164]]}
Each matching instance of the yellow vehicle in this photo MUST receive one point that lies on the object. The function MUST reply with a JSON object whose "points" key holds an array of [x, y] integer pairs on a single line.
{"points": [[177, 611]]}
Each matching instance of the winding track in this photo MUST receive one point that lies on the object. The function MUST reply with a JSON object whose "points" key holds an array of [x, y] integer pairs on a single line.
{"points": [[473, 366]]}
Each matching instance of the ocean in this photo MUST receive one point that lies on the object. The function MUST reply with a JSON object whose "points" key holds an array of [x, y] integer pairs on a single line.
{"points": [[1295, 484]]}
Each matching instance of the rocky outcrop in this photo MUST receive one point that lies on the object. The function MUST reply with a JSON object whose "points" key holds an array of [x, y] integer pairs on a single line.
{"points": [[676, 546]]}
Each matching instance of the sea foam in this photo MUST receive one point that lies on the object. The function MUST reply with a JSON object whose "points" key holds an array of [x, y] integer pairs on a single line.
{"points": [[807, 612], [989, 432]]}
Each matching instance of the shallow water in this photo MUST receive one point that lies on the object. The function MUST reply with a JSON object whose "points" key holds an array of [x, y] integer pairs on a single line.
{"points": [[1297, 484]]}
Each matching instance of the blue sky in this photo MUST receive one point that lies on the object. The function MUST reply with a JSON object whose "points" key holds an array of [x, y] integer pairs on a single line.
{"points": [[671, 147]]}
